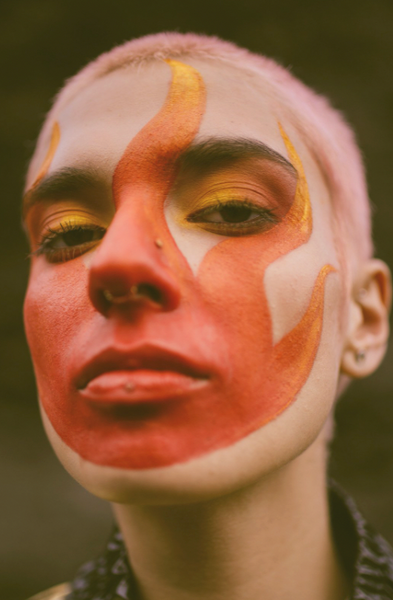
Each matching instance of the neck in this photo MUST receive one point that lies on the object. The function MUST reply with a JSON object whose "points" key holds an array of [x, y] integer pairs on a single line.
{"points": [[264, 541]]}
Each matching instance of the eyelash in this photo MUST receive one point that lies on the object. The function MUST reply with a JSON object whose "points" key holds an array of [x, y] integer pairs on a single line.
{"points": [[265, 220], [67, 253]]}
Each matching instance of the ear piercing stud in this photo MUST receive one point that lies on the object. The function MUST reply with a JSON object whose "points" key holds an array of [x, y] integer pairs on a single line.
{"points": [[362, 293], [360, 355]]}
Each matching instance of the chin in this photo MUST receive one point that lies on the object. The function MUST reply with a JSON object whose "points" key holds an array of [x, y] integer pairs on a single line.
{"points": [[258, 456]]}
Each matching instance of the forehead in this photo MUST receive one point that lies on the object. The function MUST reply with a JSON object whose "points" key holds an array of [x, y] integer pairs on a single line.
{"points": [[97, 125]]}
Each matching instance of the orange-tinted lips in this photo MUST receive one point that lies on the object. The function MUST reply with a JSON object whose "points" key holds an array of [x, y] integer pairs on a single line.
{"points": [[147, 373]]}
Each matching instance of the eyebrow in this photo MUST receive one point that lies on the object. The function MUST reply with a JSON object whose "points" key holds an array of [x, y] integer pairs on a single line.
{"points": [[56, 186], [208, 153], [216, 152]]}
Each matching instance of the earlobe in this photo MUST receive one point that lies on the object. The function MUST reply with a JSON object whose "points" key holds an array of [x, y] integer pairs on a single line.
{"points": [[368, 322]]}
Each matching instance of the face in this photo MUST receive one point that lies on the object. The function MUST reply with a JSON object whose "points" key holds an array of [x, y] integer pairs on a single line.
{"points": [[184, 276]]}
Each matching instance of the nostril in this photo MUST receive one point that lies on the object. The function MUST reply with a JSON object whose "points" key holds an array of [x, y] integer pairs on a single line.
{"points": [[149, 291], [124, 280], [137, 293]]}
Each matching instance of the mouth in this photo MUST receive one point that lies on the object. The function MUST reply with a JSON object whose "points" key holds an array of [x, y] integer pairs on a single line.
{"points": [[146, 374]]}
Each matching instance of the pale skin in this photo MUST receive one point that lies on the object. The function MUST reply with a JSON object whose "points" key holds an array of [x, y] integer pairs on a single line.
{"points": [[249, 520]]}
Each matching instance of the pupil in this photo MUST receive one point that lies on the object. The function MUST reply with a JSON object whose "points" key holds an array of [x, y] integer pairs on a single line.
{"points": [[235, 214], [75, 238]]}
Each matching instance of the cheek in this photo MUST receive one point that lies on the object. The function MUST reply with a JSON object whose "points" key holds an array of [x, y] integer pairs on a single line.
{"points": [[231, 282], [192, 244], [271, 371], [56, 305], [289, 283]]}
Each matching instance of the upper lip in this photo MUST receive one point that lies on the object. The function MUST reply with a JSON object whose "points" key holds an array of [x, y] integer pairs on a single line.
{"points": [[145, 356]]}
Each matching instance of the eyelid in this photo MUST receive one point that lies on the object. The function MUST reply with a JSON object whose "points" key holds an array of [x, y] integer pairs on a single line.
{"points": [[223, 195], [57, 222], [63, 254], [75, 218], [51, 230], [232, 202], [50, 216]]}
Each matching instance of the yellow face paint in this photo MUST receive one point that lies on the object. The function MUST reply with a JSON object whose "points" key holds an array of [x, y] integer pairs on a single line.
{"points": [[300, 215], [54, 142]]}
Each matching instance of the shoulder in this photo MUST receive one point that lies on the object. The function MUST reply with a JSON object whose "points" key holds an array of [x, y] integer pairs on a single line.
{"points": [[58, 592]]}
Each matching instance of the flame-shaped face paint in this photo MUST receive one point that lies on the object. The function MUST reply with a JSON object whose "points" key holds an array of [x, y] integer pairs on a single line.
{"points": [[148, 168], [222, 320], [287, 365], [276, 372], [54, 142], [150, 158]]}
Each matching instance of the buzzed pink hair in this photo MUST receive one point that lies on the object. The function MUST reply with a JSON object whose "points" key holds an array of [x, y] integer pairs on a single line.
{"points": [[327, 135]]}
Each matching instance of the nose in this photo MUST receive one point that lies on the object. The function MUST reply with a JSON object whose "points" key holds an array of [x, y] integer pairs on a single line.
{"points": [[129, 267]]}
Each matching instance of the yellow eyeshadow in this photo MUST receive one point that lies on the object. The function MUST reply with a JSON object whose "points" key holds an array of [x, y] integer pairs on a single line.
{"points": [[221, 197], [68, 222], [218, 198], [73, 221], [76, 225]]}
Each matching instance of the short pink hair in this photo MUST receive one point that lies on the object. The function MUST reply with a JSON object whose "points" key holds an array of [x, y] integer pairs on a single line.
{"points": [[324, 130]]}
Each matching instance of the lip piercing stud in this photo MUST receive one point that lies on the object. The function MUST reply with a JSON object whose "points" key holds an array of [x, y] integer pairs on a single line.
{"points": [[129, 387], [158, 243], [360, 355]]}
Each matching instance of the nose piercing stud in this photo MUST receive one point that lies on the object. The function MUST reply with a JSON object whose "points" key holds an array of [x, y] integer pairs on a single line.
{"points": [[122, 298], [141, 291], [158, 243]]}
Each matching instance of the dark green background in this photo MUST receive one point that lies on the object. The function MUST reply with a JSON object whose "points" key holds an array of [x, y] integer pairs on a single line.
{"points": [[344, 49]]}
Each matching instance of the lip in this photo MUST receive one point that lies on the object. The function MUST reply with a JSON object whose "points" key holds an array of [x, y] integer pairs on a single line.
{"points": [[144, 373]]}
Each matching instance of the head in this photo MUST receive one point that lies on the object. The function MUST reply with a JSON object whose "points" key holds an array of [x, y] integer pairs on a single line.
{"points": [[202, 282]]}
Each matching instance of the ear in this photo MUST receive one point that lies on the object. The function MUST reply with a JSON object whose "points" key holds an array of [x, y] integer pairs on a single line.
{"points": [[368, 322]]}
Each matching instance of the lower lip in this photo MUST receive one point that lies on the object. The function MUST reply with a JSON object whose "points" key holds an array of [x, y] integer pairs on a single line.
{"points": [[131, 387]]}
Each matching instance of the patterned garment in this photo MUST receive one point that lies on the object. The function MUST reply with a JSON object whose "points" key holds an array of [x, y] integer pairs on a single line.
{"points": [[365, 555]]}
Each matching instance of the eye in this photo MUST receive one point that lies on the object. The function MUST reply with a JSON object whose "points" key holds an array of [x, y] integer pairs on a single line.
{"points": [[74, 237], [234, 218], [69, 241], [231, 214]]}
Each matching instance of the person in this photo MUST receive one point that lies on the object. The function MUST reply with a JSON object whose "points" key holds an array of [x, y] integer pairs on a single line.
{"points": [[202, 290]]}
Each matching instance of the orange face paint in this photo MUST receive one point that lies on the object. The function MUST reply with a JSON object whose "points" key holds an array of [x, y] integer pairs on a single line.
{"points": [[220, 320], [150, 158]]}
